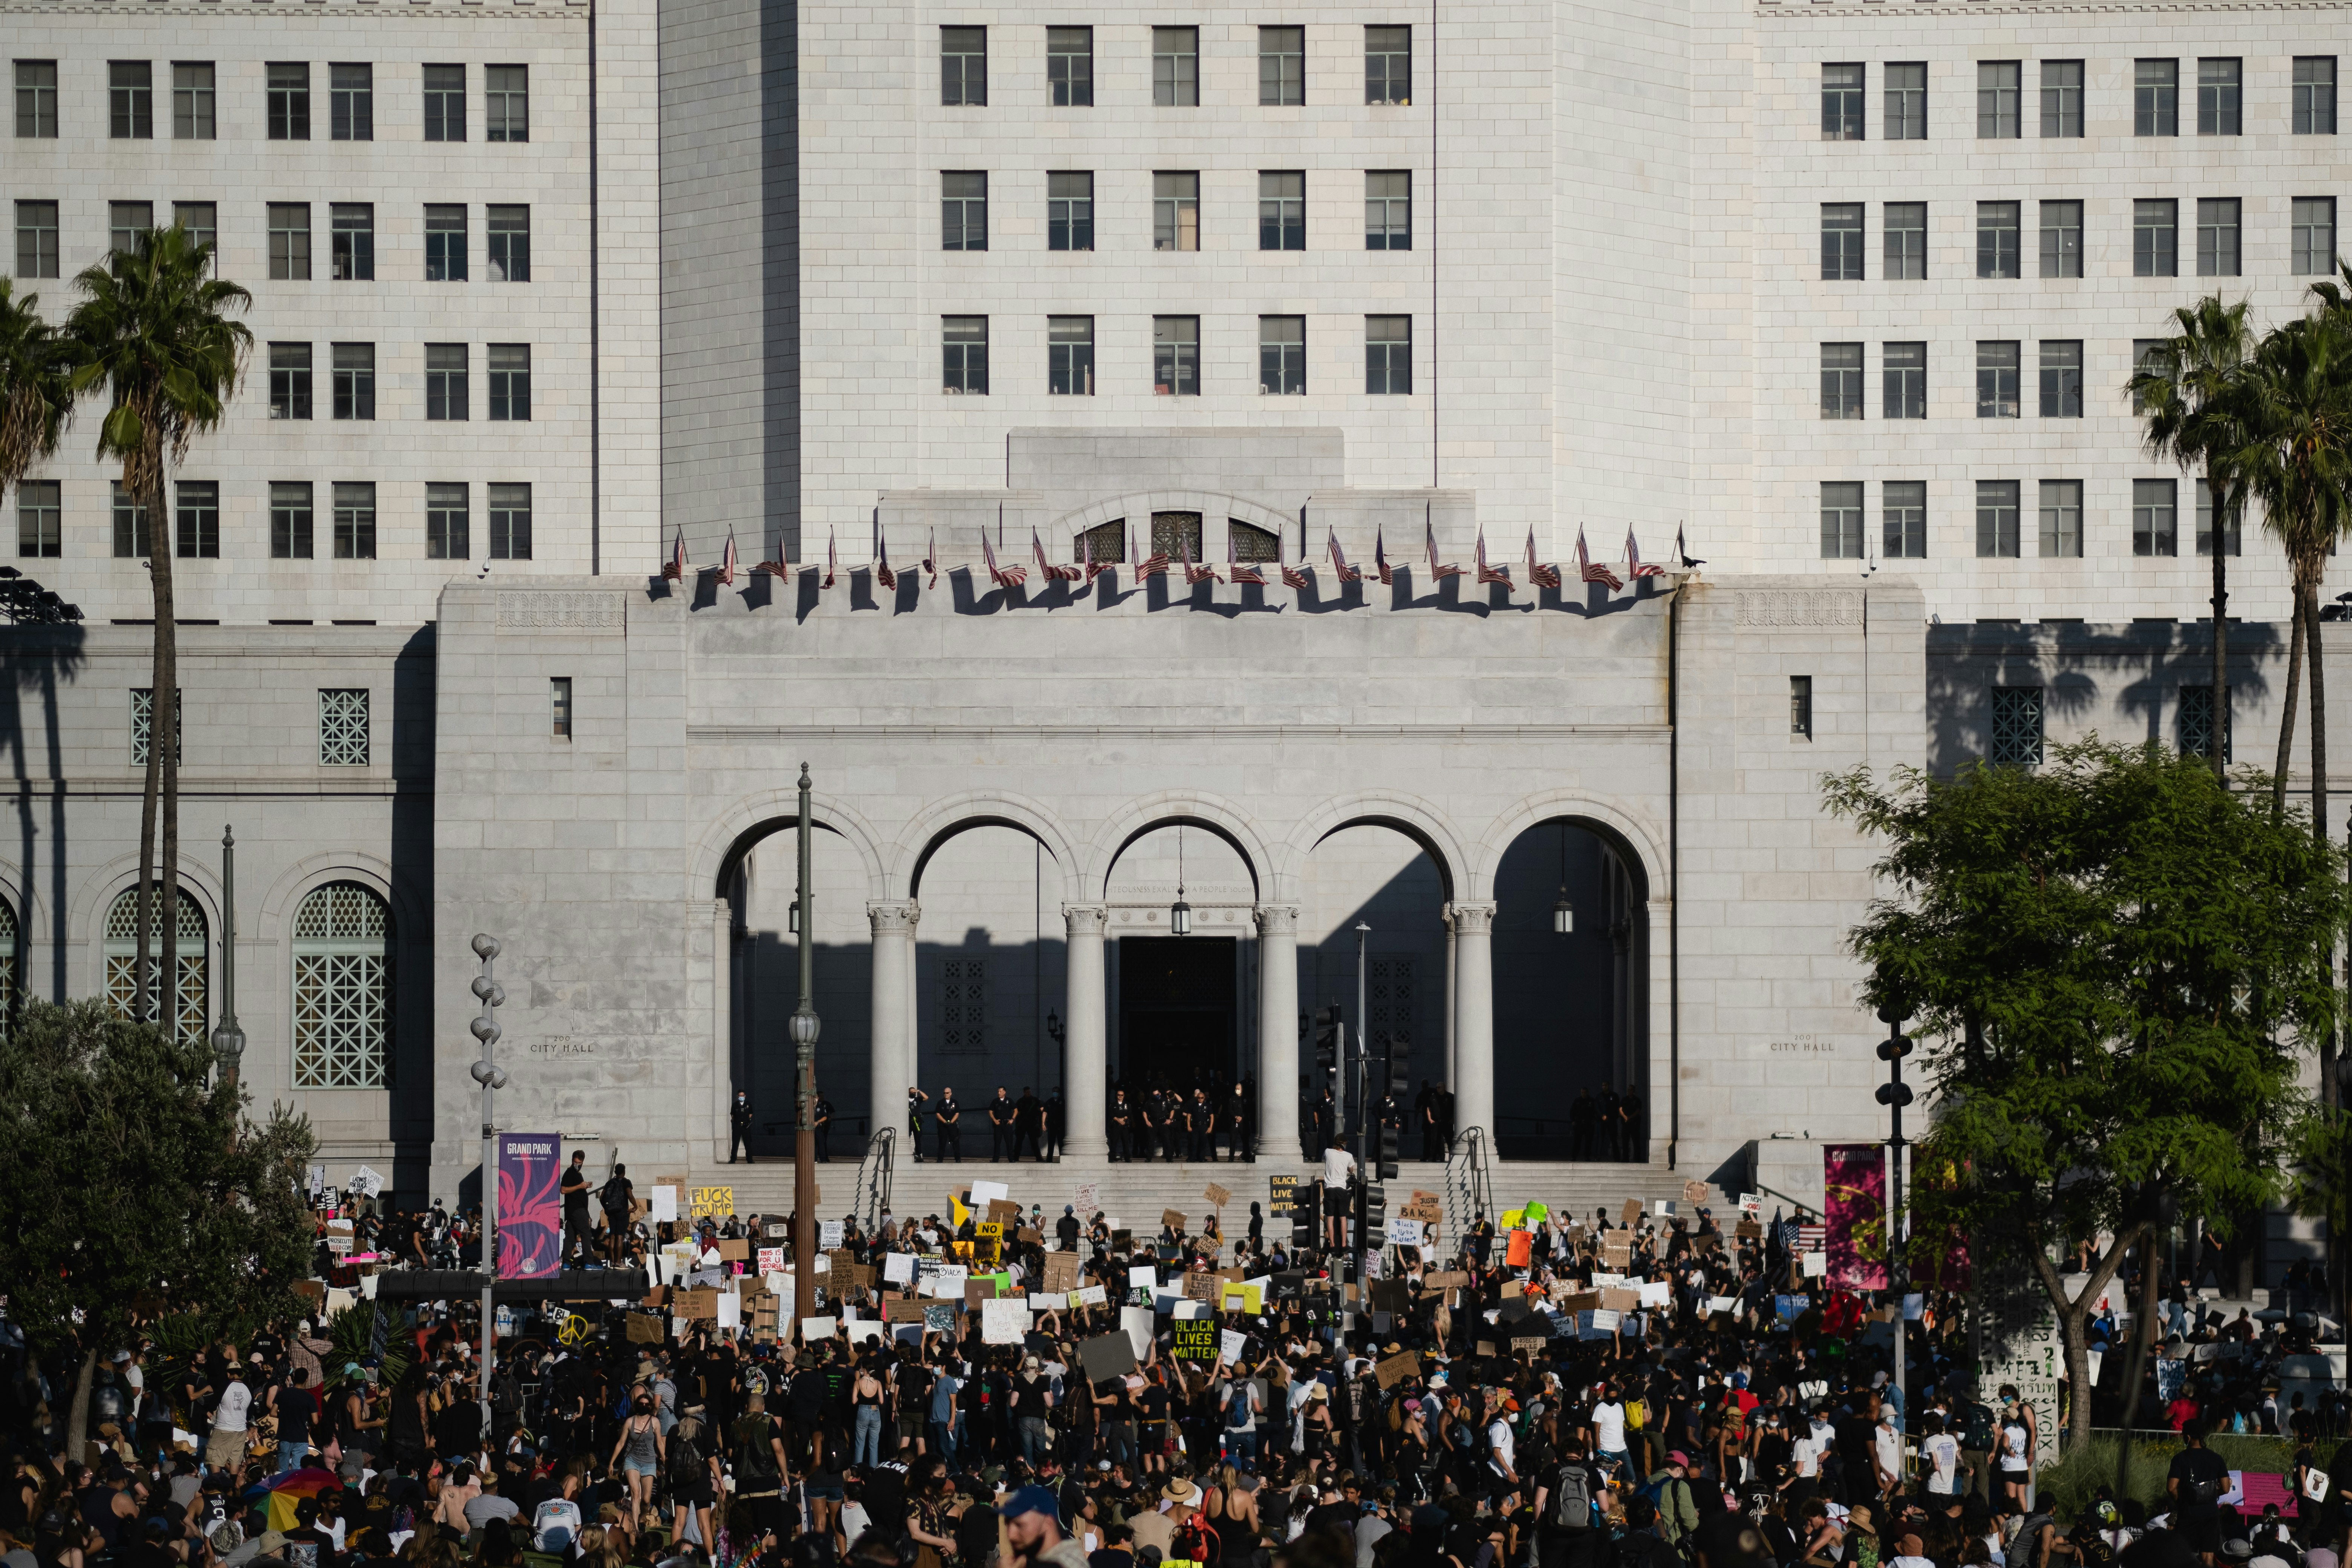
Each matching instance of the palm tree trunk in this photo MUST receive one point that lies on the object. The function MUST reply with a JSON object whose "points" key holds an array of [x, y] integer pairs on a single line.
{"points": [[2311, 624], [2218, 748], [2286, 717], [143, 980], [167, 743]]}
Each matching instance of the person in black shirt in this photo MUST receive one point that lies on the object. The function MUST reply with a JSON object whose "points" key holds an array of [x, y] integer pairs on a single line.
{"points": [[1235, 1123], [739, 1121], [574, 1193], [824, 1126], [950, 1118], [999, 1126], [1027, 1114], [2196, 1481], [1054, 1122]]}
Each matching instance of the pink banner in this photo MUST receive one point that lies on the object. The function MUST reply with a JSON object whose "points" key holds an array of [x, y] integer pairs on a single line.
{"points": [[530, 1205], [1853, 1188]]}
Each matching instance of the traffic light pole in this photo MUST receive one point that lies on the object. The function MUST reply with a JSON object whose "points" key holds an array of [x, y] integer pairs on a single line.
{"points": [[1895, 1094], [1360, 1242]]}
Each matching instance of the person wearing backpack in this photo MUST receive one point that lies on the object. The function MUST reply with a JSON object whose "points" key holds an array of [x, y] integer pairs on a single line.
{"points": [[615, 1198], [1669, 1492], [2195, 1482], [1977, 1438], [694, 1478], [1642, 1545], [1568, 1505]]}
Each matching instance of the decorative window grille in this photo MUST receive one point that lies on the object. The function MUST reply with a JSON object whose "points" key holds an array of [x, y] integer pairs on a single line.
{"points": [[2197, 724], [342, 990], [343, 728], [1254, 543], [122, 950], [142, 724], [964, 1007], [2017, 726], [8, 936], [1389, 1005], [1176, 532]]}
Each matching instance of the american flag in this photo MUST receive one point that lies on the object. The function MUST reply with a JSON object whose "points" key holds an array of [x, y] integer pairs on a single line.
{"points": [[1094, 568], [931, 556], [676, 571], [1339, 560], [1235, 571], [831, 560], [1812, 1237], [1380, 558], [1152, 565], [1295, 576], [1490, 573], [1047, 571], [1437, 573], [1541, 576], [1591, 571], [882, 572], [1634, 560], [1004, 577], [1192, 575], [727, 568]]}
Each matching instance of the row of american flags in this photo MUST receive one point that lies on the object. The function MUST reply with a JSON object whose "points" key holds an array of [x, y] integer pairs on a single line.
{"points": [[1158, 563]]}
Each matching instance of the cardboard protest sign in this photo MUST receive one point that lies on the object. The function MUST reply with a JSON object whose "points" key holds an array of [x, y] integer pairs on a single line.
{"points": [[1196, 1340], [938, 1317], [696, 1304], [1693, 1191], [1087, 1200], [828, 1234], [1002, 1321], [734, 1251], [1448, 1279], [643, 1329], [665, 1204], [1748, 1230], [712, 1202], [899, 1267], [1049, 1301], [1579, 1301], [1282, 1189], [1089, 1295], [1239, 1298], [1142, 1277], [1406, 1233], [1199, 1286], [1171, 1220], [1619, 1300], [1003, 1211], [1137, 1322], [1218, 1196], [1751, 1204], [904, 1311], [814, 1329], [1062, 1272], [1396, 1369], [1657, 1292], [986, 1193], [1232, 1344], [1630, 1213], [1106, 1356], [772, 1259]]}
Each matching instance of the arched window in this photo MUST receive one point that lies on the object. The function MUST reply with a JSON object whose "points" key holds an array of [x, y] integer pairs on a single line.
{"points": [[191, 948], [1176, 535], [7, 968], [1254, 543], [1103, 543], [342, 990]]}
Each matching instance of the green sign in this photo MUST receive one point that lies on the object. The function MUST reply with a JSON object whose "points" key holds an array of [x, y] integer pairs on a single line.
{"points": [[1196, 1339]]}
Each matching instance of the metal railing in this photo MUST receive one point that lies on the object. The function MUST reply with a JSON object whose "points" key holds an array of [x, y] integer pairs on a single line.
{"points": [[1469, 1196], [872, 1199]]}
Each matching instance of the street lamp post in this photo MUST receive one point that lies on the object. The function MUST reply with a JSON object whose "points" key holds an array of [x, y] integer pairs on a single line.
{"points": [[1895, 1094], [228, 1041], [492, 1078], [803, 1029]]}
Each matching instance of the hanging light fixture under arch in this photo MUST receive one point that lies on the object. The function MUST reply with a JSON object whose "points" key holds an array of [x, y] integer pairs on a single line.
{"points": [[1563, 914], [1179, 913]]}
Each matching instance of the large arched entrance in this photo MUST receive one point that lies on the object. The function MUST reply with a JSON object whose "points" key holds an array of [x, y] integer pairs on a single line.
{"points": [[1180, 1006]]}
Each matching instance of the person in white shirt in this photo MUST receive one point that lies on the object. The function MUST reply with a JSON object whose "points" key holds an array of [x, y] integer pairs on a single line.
{"points": [[1887, 1453], [229, 1420], [1941, 1452], [1499, 1454], [1608, 1423]]}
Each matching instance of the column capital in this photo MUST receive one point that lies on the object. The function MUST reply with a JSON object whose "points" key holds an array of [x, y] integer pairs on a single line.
{"points": [[1471, 917], [1086, 920], [893, 914], [1274, 918]]}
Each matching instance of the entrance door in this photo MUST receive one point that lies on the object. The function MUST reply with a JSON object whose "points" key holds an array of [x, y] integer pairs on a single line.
{"points": [[1176, 1013]]}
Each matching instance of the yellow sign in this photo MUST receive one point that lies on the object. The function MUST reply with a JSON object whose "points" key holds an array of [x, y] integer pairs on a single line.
{"points": [[715, 1202], [988, 1230], [572, 1330], [1239, 1298]]}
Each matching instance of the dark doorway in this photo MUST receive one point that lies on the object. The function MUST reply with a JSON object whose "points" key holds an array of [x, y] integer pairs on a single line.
{"points": [[1176, 1011]]}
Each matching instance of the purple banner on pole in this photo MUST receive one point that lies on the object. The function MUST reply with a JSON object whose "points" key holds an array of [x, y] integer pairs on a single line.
{"points": [[1854, 1189], [530, 1205]]}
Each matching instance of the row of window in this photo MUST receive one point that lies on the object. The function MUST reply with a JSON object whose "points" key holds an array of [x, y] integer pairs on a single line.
{"points": [[1903, 518], [1176, 209], [130, 89], [2017, 714], [293, 520], [2002, 103], [351, 238], [1175, 66], [1176, 355], [352, 381], [2001, 373], [2219, 242]]}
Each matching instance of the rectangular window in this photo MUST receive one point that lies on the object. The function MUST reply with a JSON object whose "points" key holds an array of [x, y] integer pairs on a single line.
{"points": [[1842, 88], [354, 375], [2234, 540], [1175, 211], [509, 523], [37, 98], [40, 518], [2217, 236], [2156, 97], [2016, 727], [1841, 242], [289, 381], [36, 239], [1841, 520], [445, 103], [963, 66], [351, 102], [1176, 67], [1070, 356], [2315, 235], [289, 521], [1998, 241], [963, 352], [964, 1006], [1997, 518], [192, 101], [2061, 518], [445, 242], [506, 103], [1997, 369], [1176, 356], [2218, 89], [130, 99], [1388, 65], [2148, 354], [1841, 381], [1904, 368], [1282, 355], [446, 382], [2062, 378], [2314, 95], [1907, 239], [1907, 101], [1800, 706], [1282, 64], [2156, 529], [132, 540], [126, 221], [2061, 98], [2062, 239], [1070, 66], [1904, 510], [290, 100], [1388, 209], [1070, 211], [1388, 355], [1281, 210], [143, 724], [343, 728], [355, 521], [510, 381], [2196, 720], [448, 522], [198, 519], [559, 707], [963, 209], [507, 231], [201, 219], [289, 241], [2156, 237], [2000, 85], [354, 233]]}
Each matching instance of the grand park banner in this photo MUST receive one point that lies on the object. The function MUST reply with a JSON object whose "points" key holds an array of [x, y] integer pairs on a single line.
{"points": [[530, 1205], [1853, 1192]]}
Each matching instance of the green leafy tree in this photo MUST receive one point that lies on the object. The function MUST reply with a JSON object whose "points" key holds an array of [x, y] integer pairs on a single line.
{"points": [[36, 387], [2108, 962], [133, 1176], [153, 334]]}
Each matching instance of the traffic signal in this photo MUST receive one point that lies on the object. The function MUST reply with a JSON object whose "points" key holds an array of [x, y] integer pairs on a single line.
{"points": [[1327, 1047], [1376, 1213], [1389, 1138], [1305, 1211]]}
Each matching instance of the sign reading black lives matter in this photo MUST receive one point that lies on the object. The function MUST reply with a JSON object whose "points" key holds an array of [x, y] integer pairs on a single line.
{"points": [[1196, 1339]]}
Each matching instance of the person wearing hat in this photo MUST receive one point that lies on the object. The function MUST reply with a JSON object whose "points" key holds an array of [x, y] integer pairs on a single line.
{"points": [[1157, 1528], [1033, 1528]]}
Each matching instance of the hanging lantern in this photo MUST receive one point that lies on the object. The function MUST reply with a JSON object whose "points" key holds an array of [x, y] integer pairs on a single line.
{"points": [[1180, 914], [1564, 916]]}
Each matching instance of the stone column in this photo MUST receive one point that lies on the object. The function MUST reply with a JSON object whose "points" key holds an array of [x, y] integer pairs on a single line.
{"points": [[1086, 1045], [1277, 1032], [722, 1025], [891, 1061], [1448, 1077], [1474, 1019]]}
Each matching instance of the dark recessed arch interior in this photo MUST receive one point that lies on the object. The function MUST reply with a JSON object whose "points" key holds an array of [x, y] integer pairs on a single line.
{"points": [[731, 867], [1257, 886], [1411, 830]]}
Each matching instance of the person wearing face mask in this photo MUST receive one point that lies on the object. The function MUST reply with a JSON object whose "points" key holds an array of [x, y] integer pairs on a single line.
{"points": [[637, 1454]]}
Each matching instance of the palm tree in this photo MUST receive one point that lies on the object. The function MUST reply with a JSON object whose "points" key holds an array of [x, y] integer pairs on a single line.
{"points": [[36, 387], [2183, 391], [153, 330]]}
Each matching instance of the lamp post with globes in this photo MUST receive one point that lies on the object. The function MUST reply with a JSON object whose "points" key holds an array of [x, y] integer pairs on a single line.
{"points": [[1895, 1094], [492, 1078], [803, 1029], [228, 1041]]}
